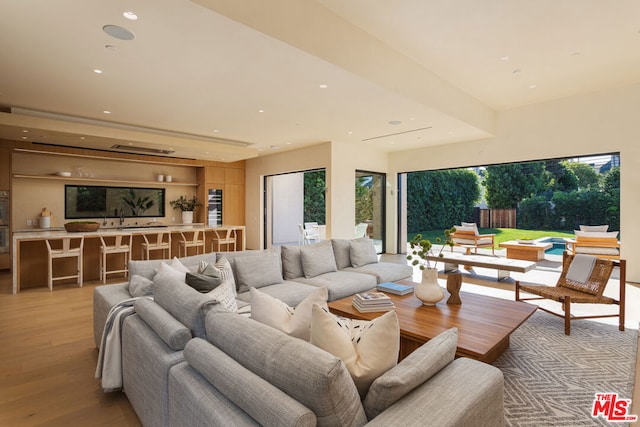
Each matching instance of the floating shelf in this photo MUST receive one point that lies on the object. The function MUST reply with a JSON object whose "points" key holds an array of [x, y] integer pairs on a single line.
{"points": [[106, 180]]}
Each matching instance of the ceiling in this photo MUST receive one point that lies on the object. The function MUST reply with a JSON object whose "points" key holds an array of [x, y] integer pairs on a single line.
{"points": [[228, 80]]}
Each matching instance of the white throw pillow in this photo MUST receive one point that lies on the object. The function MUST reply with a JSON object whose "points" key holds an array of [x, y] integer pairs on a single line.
{"points": [[367, 348], [175, 270], [292, 321], [224, 295], [607, 234]]}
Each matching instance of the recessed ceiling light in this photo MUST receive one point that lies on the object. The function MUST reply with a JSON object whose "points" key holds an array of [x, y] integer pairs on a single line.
{"points": [[216, 130], [517, 72], [130, 15], [24, 137], [111, 47], [118, 32], [323, 86], [97, 71], [107, 112], [532, 86], [260, 111], [82, 137], [274, 147], [350, 132], [395, 122], [504, 58], [575, 54], [25, 131]]}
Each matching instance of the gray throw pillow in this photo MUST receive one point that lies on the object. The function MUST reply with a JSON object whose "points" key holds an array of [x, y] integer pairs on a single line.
{"points": [[140, 286], [291, 262], [318, 259], [258, 270], [206, 281], [362, 252], [414, 370]]}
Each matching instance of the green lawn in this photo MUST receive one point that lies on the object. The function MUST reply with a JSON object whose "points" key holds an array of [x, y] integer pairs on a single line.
{"points": [[502, 234]]}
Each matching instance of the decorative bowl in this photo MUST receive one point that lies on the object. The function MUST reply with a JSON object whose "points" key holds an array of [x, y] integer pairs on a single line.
{"points": [[81, 226], [526, 241]]}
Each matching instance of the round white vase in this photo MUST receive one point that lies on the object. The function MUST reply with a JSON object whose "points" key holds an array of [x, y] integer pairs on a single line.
{"points": [[187, 217], [429, 291]]}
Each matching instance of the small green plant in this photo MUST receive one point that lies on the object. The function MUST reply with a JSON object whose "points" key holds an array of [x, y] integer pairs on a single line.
{"points": [[421, 249], [185, 204], [138, 204]]}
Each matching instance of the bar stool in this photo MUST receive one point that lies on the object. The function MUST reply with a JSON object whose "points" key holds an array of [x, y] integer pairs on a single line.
{"points": [[157, 243], [114, 244], [64, 247], [193, 242], [229, 238]]}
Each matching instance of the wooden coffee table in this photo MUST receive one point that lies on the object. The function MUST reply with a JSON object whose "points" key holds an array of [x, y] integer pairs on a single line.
{"points": [[531, 251], [484, 323]]}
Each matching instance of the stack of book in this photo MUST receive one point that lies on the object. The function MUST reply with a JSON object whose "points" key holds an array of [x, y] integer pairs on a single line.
{"points": [[372, 301], [395, 288]]}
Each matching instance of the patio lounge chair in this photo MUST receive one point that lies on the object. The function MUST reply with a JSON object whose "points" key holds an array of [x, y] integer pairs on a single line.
{"points": [[568, 290], [467, 236], [594, 241]]}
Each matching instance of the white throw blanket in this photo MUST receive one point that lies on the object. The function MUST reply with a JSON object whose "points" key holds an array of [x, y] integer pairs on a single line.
{"points": [[109, 366], [580, 268]]}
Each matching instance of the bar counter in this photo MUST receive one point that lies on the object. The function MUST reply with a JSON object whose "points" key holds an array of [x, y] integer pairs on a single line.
{"points": [[30, 254]]}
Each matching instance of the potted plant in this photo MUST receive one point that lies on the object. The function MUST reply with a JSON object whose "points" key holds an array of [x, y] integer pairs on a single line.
{"points": [[187, 206], [428, 291]]}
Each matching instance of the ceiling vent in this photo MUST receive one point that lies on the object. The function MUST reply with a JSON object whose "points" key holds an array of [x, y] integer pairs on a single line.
{"points": [[396, 134], [143, 150]]}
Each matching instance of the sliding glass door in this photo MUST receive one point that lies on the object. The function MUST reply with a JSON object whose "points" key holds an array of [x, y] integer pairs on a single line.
{"points": [[370, 207]]}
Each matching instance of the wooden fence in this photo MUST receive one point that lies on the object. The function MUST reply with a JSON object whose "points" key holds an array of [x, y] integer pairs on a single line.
{"points": [[495, 218]]}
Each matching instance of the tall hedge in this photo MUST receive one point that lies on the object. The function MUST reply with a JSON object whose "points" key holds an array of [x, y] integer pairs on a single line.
{"points": [[440, 199]]}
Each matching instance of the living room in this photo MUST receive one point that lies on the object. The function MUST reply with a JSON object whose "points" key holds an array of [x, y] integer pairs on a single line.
{"points": [[578, 120]]}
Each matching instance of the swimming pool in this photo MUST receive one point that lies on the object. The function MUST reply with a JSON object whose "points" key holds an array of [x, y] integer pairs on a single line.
{"points": [[558, 245]]}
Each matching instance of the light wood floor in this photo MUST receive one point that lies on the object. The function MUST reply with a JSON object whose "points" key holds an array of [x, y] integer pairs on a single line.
{"points": [[48, 359]]}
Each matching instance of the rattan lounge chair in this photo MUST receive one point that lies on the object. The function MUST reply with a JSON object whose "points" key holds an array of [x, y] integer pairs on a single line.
{"points": [[591, 292]]}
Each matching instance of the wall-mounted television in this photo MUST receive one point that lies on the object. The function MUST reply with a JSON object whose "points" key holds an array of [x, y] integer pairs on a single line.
{"points": [[89, 201]]}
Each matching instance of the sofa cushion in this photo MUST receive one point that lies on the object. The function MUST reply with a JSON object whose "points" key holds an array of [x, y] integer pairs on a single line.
{"points": [[362, 252], [232, 257], [290, 292], [183, 302], [291, 262], [342, 283], [414, 370], [310, 375], [367, 348], [265, 403], [258, 270], [341, 249], [318, 259], [292, 321], [140, 286], [172, 332], [385, 271]]}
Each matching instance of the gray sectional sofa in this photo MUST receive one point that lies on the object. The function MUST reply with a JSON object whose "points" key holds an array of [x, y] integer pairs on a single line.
{"points": [[188, 362]]}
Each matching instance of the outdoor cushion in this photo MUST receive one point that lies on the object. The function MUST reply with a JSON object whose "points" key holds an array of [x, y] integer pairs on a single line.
{"points": [[606, 234], [362, 252], [481, 241], [367, 348], [594, 228], [318, 259], [292, 321], [414, 370], [592, 250]]}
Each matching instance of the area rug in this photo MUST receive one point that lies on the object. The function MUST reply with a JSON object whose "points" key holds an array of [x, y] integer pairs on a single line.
{"points": [[551, 379]]}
